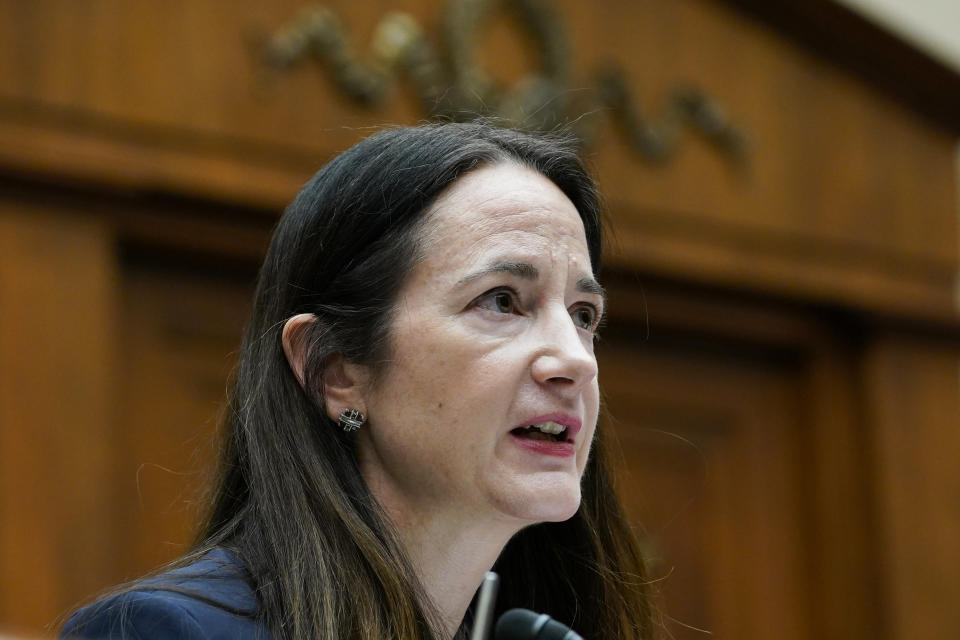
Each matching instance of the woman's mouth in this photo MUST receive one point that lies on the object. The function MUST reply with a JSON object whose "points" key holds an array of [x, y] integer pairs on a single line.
{"points": [[546, 438], [544, 431]]}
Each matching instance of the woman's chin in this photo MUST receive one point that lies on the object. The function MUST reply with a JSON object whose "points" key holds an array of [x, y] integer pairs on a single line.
{"points": [[556, 503], [559, 515]]}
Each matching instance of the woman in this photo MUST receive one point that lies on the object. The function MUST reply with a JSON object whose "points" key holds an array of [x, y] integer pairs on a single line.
{"points": [[416, 402]]}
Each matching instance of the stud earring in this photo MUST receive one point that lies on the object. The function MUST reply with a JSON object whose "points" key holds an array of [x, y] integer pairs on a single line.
{"points": [[351, 420]]}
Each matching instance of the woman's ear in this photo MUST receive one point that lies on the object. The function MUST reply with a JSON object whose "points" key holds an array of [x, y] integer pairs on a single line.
{"points": [[343, 382], [344, 386], [294, 339]]}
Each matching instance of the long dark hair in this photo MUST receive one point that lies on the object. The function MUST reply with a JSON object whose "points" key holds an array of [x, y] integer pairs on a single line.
{"points": [[289, 498]]}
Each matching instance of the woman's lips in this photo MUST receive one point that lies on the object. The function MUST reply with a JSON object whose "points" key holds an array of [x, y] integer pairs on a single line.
{"points": [[572, 423], [557, 448], [545, 447]]}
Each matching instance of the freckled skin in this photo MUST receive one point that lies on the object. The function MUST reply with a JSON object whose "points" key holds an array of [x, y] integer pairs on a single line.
{"points": [[465, 370]]}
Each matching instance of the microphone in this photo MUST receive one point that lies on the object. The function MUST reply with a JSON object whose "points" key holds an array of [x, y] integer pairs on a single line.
{"points": [[523, 624]]}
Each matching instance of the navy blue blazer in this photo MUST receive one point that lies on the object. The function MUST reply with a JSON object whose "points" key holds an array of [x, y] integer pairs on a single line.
{"points": [[209, 599]]}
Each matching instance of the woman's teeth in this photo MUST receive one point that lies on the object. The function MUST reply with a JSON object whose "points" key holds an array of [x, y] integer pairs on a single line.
{"points": [[543, 431], [549, 427]]}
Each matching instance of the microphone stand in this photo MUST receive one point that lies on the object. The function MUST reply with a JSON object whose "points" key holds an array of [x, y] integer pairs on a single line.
{"points": [[483, 621]]}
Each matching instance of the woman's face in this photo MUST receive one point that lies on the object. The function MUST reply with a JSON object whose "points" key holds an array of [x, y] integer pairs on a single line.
{"points": [[493, 333]]}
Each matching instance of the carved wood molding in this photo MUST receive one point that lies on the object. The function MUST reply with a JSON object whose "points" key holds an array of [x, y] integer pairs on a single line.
{"points": [[452, 86]]}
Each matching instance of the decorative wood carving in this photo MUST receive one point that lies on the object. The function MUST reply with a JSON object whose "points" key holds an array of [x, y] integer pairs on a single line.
{"points": [[451, 85]]}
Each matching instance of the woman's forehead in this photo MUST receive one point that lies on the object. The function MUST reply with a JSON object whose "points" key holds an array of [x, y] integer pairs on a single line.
{"points": [[502, 204]]}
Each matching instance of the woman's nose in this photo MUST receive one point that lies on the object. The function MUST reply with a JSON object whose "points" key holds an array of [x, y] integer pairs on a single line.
{"points": [[564, 359]]}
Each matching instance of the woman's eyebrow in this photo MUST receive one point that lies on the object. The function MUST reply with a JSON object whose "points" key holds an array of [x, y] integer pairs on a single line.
{"points": [[523, 270], [586, 284], [527, 271]]}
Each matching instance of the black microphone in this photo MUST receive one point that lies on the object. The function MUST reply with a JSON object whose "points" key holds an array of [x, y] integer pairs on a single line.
{"points": [[523, 624]]}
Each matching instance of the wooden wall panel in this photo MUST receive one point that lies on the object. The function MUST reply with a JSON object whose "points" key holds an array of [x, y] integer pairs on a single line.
{"points": [[180, 337], [913, 391], [711, 475], [842, 496], [57, 525], [686, 366]]}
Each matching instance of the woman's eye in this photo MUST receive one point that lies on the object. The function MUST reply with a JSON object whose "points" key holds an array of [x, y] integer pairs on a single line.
{"points": [[585, 317], [503, 302], [499, 301]]}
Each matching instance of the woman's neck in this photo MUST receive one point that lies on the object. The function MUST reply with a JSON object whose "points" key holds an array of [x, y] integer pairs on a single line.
{"points": [[451, 560], [451, 552]]}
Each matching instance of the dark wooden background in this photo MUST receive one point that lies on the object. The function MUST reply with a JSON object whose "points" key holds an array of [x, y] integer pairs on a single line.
{"points": [[782, 362]]}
